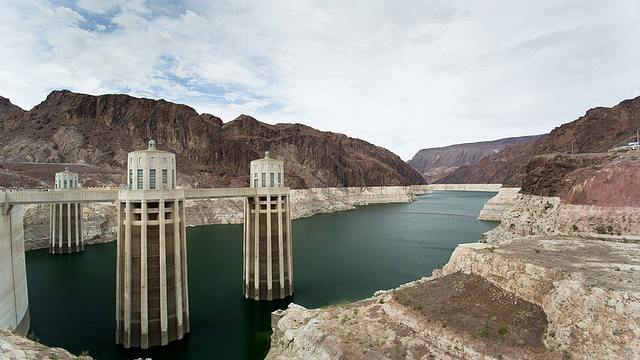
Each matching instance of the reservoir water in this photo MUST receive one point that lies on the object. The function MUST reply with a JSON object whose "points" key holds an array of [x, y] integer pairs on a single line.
{"points": [[337, 257]]}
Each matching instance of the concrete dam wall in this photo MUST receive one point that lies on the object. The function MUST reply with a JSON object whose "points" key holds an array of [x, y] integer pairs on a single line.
{"points": [[14, 300]]}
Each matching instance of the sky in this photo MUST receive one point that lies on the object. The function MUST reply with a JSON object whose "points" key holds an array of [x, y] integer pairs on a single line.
{"points": [[401, 74]]}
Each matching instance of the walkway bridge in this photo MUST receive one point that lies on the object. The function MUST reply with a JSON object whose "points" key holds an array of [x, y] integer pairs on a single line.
{"points": [[25, 197]]}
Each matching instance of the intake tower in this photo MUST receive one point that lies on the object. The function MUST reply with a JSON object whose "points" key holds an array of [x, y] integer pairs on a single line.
{"points": [[152, 305], [267, 260], [66, 219]]}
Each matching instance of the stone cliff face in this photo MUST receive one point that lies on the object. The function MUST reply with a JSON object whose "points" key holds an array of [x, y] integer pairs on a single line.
{"points": [[589, 308], [429, 318], [587, 196], [13, 346], [609, 179], [583, 286], [543, 216], [497, 206], [434, 163], [599, 130], [588, 300], [574, 255], [7, 109], [101, 130]]}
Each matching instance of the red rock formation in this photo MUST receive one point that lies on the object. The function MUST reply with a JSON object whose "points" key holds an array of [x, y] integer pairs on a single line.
{"points": [[435, 163], [599, 130], [101, 130]]}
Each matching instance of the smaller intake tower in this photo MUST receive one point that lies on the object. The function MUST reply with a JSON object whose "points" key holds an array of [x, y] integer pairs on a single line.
{"points": [[66, 219], [267, 259]]}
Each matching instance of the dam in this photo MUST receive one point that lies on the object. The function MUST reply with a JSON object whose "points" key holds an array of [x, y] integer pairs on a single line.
{"points": [[152, 291]]}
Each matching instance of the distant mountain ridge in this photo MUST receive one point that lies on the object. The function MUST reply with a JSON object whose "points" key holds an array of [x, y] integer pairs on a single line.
{"points": [[599, 130], [434, 163], [100, 130]]}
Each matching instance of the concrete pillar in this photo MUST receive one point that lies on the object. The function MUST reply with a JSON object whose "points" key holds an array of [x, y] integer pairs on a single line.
{"points": [[14, 300], [151, 260], [267, 258]]}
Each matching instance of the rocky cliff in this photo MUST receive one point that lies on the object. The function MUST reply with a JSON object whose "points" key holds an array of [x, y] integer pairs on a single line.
{"points": [[584, 286], [434, 163], [563, 264], [496, 207], [7, 109], [14, 346], [101, 130], [543, 299], [599, 130]]}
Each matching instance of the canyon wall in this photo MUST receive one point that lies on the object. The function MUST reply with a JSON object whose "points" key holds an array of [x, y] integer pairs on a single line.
{"points": [[434, 163], [532, 215], [14, 346], [546, 252], [495, 208], [591, 307]]}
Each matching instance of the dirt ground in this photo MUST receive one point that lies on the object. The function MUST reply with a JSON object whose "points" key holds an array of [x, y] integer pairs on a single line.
{"points": [[472, 305]]}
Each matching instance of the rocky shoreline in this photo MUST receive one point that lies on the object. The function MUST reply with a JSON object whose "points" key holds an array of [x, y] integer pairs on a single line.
{"points": [[586, 282], [15, 346]]}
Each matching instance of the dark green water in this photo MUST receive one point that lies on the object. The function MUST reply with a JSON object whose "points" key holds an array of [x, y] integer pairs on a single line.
{"points": [[337, 257]]}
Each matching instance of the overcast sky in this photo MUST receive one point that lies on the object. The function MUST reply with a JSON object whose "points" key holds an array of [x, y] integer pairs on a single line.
{"points": [[404, 75]]}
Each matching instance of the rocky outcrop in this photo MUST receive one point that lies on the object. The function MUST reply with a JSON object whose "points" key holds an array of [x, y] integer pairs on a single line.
{"points": [[434, 163], [589, 289], [101, 130], [591, 308], [402, 324], [36, 222], [587, 196], [599, 130], [495, 208], [609, 179], [14, 346], [7, 109], [535, 216], [214, 211]]}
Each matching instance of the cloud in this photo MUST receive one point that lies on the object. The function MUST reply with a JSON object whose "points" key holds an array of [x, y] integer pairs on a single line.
{"points": [[404, 75]]}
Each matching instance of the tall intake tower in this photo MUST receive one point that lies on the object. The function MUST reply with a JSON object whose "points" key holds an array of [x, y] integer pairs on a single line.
{"points": [[267, 260], [152, 305], [66, 219]]}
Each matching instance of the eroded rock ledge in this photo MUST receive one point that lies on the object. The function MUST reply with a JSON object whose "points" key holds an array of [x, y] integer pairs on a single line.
{"points": [[14, 346], [533, 216], [591, 300], [580, 264]]}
